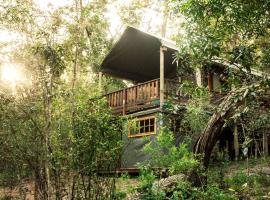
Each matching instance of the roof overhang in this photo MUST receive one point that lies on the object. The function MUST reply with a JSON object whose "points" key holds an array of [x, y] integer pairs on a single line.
{"points": [[237, 67], [136, 57]]}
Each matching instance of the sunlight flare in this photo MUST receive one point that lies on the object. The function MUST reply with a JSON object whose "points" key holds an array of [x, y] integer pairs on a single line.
{"points": [[10, 73]]}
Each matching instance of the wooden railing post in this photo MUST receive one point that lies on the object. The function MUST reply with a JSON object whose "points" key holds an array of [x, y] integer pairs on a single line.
{"points": [[124, 101], [157, 88], [136, 97]]}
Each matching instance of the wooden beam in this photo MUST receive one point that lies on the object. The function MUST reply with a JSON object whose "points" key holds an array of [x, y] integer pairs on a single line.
{"points": [[161, 69]]}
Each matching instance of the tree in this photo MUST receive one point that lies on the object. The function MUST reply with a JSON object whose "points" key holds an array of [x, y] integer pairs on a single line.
{"points": [[226, 110], [236, 31], [47, 119], [233, 31]]}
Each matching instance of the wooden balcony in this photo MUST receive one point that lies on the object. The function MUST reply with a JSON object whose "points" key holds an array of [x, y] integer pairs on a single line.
{"points": [[142, 96]]}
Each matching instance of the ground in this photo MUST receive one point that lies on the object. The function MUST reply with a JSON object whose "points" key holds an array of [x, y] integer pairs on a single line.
{"points": [[241, 180]]}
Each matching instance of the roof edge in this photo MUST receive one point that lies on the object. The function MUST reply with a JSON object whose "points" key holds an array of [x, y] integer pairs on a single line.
{"points": [[164, 41]]}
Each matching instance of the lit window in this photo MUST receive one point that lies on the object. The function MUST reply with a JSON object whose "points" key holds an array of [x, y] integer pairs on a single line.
{"points": [[142, 127]]}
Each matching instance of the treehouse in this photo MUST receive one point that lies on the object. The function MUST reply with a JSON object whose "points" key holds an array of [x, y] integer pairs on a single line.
{"points": [[148, 62]]}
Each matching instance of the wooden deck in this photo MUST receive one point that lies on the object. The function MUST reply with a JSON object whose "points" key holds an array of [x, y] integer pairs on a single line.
{"points": [[142, 96]]}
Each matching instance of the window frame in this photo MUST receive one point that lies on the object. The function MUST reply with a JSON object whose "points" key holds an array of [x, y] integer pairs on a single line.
{"points": [[145, 133]]}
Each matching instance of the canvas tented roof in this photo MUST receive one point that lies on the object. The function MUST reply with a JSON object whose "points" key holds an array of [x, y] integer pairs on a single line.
{"points": [[136, 57]]}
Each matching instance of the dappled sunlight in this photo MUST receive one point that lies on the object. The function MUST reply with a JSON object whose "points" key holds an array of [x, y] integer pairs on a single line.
{"points": [[10, 73], [12, 76]]}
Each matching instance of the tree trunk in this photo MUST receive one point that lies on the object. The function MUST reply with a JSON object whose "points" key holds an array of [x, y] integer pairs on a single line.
{"points": [[47, 132], [212, 131], [40, 184]]}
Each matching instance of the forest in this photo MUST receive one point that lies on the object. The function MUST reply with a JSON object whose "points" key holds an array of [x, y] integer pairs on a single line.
{"points": [[89, 86]]}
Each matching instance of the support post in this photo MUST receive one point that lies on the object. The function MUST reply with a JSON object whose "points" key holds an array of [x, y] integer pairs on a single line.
{"points": [[236, 142], [210, 81], [100, 82], [162, 81], [265, 144], [256, 149]]}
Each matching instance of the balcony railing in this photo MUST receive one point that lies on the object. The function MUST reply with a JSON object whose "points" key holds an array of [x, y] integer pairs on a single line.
{"points": [[141, 96]]}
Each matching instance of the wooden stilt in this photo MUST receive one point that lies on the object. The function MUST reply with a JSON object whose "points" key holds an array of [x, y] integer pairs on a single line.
{"points": [[256, 149], [210, 82], [265, 145], [236, 142]]}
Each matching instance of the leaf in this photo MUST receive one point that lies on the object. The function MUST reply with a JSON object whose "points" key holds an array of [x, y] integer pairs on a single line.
{"points": [[246, 92]]}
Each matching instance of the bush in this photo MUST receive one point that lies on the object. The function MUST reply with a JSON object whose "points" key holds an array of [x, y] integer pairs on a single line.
{"points": [[119, 195], [213, 192], [164, 154], [238, 179], [245, 186], [147, 178], [184, 190]]}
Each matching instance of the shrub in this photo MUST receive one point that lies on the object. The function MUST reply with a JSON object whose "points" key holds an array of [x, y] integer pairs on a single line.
{"points": [[213, 192], [164, 154], [119, 195], [239, 179], [184, 190], [147, 178]]}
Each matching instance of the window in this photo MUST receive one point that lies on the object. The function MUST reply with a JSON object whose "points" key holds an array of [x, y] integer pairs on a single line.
{"points": [[215, 82], [142, 127]]}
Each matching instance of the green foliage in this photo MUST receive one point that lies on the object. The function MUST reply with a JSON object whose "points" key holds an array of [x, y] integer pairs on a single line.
{"points": [[200, 95], [239, 178], [6, 198], [196, 116], [50, 129], [146, 177], [237, 181], [165, 154], [125, 176], [213, 192], [185, 190], [119, 195], [235, 31], [97, 136], [52, 57], [19, 132], [239, 184], [153, 195]]}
